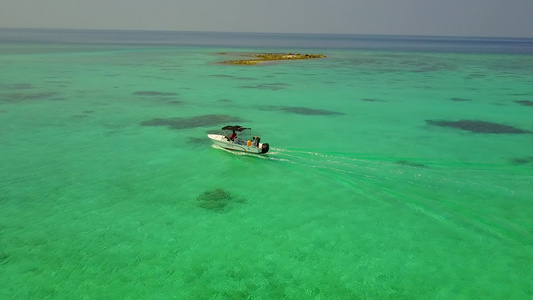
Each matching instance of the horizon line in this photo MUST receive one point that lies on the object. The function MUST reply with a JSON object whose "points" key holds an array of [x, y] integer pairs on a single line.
{"points": [[267, 32]]}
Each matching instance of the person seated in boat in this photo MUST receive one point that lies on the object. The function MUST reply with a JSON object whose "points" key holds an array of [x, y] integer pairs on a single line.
{"points": [[233, 136]]}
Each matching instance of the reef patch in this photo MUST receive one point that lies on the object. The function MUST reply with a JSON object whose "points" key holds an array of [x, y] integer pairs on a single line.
{"points": [[460, 99], [309, 111], [192, 122], [302, 110], [154, 94], [268, 86], [222, 76], [525, 102], [16, 86], [371, 100], [20, 97], [216, 200], [479, 126], [522, 160], [4, 257]]}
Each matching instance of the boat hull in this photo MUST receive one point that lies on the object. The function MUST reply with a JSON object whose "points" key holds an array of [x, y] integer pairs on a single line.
{"points": [[240, 145]]}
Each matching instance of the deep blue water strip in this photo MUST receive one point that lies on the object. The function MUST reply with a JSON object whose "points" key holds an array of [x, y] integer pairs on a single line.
{"points": [[271, 40]]}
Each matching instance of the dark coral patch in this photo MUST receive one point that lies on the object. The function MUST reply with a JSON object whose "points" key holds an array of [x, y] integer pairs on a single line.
{"points": [[522, 160], [371, 100], [16, 86], [4, 257], [268, 86], [58, 83], [154, 94], [309, 111], [222, 76], [478, 126], [460, 99], [20, 97], [192, 122], [525, 102], [215, 200], [302, 110]]}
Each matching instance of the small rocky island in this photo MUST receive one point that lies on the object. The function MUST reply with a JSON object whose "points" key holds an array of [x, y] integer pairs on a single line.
{"points": [[265, 57]]}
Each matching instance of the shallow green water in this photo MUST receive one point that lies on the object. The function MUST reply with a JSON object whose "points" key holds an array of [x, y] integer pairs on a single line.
{"points": [[359, 196]]}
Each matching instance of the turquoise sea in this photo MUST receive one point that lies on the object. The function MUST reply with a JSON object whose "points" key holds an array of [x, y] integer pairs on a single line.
{"points": [[399, 167]]}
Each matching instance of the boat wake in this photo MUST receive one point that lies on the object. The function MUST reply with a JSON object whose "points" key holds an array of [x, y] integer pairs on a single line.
{"points": [[348, 164], [429, 191], [337, 162], [435, 191]]}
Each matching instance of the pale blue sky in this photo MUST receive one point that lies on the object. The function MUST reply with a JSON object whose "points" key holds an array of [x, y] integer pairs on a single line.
{"points": [[497, 18]]}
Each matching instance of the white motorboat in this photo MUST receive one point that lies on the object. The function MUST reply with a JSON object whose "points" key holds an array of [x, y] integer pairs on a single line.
{"points": [[239, 138]]}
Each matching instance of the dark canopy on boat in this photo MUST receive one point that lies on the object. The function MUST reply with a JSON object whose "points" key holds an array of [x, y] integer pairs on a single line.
{"points": [[236, 128]]}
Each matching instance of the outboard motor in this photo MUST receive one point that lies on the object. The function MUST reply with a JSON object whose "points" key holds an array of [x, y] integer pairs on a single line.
{"points": [[264, 148]]}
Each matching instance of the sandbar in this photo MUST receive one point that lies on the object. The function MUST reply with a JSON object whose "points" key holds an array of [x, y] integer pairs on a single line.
{"points": [[265, 57]]}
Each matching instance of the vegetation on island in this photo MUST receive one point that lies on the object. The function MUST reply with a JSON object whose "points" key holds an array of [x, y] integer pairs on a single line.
{"points": [[265, 57]]}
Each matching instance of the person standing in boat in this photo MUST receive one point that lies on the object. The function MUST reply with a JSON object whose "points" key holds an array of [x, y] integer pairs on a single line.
{"points": [[233, 136], [255, 141]]}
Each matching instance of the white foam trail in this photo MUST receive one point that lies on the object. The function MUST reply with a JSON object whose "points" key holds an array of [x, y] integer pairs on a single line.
{"points": [[314, 160]]}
